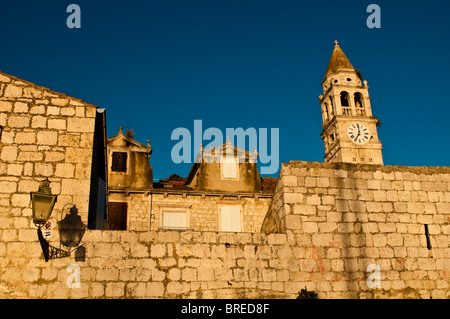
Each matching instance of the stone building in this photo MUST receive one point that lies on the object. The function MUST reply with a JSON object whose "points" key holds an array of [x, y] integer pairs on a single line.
{"points": [[349, 129], [348, 227], [222, 192], [130, 180], [46, 134]]}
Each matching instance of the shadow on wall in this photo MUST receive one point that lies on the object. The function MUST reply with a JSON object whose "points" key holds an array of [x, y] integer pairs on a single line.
{"points": [[71, 231]]}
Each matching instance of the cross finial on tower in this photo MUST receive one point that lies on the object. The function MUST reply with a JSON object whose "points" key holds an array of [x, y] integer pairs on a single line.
{"points": [[336, 43]]}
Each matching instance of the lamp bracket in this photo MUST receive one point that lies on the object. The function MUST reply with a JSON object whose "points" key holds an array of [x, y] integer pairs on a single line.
{"points": [[50, 252]]}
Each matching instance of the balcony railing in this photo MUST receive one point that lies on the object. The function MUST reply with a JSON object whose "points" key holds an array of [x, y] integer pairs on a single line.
{"points": [[347, 111], [360, 111]]}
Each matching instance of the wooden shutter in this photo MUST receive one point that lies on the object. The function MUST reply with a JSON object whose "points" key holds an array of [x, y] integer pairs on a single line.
{"points": [[229, 168], [174, 220], [117, 215], [230, 217], [119, 162]]}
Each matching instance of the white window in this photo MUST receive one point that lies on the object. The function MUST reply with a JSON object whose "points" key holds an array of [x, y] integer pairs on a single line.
{"points": [[174, 220], [229, 167], [230, 218]]}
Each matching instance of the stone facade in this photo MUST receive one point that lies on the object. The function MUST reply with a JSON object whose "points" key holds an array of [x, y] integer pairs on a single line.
{"points": [[352, 216], [349, 127], [142, 204], [44, 134], [203, 210], [331, 222], [330, 227]]}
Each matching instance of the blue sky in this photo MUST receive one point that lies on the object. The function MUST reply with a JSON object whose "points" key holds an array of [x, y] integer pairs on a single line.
{"points": [[159, 65]]}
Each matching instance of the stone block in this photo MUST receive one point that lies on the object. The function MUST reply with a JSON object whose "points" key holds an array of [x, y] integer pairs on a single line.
{"points": [[58, 124], [20, 107], [379, 240], [78, 155], [387, 227], [395, 240], [54, 156], [115, 290], [19, 121], [37, 109], [43, 169], [59, 101], [310, 181], [313, 200], [310, 227], [9, 153], [189, 274], [290, 180], [86, 125], [53, 110], [157, 250], [322, 240], [20, 200], [38, 122], [5, 106], [334, 216], [30, 157], [139, 251], [323, 182], [276, 239], [15, 169], [75, 187], [107, 274], [47, 138], [13, 91], [8, 187], [357, 206], [174, 288], [65, 170], [71, 140], [167, 262], [392, 196], [374, 207], [67, 111], [293, 198], [342, 205], [370, 227], [302, 209], [80, 111], [205, 274]]}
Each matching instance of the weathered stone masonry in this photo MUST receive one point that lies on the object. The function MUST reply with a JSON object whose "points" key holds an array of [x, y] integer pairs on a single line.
{"points": [[352, 216], [45, 134], [325, 225], [331, 231]]}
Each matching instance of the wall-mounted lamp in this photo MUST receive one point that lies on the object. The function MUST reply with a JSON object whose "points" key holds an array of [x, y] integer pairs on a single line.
{"points": [[42, 203]]}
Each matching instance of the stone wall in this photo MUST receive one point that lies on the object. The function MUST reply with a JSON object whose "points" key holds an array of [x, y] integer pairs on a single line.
{"points": [[45, 134], [338, 220], [353, 216], [325, 225], [165, 264], [204, 210]]}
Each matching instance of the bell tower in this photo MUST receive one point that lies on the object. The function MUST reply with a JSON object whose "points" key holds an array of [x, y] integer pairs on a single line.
{"points": [[349, 129]]}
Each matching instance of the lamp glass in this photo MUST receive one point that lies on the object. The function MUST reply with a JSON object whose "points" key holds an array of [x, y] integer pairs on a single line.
{"points": [[42, 206]]}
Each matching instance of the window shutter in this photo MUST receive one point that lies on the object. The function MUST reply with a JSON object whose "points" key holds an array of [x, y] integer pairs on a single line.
{"points": [[119, 162], [117, 218], [230, 217], [229, 168], [175, 220]]}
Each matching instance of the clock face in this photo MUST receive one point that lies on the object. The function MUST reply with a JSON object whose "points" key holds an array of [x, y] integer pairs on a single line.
{"points": [[358, 133]]}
